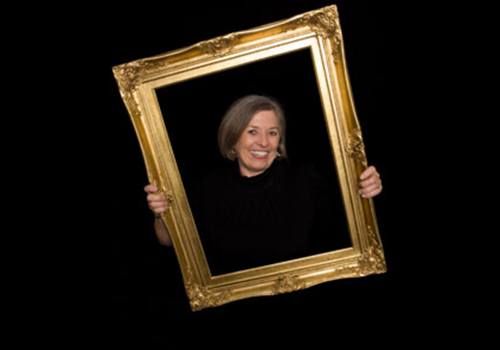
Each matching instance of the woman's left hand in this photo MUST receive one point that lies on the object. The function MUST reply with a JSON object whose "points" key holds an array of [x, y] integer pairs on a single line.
{"points": [[370, 183]]}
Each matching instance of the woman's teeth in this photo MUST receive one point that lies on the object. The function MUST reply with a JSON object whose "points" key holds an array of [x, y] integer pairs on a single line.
{"points": [[259, 153]]}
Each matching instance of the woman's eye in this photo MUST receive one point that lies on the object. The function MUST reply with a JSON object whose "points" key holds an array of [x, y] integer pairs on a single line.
{"points": [[273, 133], [252, 132]]}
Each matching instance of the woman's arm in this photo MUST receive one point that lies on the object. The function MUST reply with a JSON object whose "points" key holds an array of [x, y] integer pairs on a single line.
{"points": [[162, 232]]}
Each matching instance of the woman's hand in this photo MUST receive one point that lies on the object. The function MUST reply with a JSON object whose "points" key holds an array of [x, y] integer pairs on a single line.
{"points": [[158, 204], [157, 201], [370, 183]]}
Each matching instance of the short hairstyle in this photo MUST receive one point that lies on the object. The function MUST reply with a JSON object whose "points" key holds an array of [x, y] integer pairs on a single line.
{"points": [[239, 115]]}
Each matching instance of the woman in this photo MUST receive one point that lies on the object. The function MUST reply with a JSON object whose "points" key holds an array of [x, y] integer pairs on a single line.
{"points": [[259, 209]]}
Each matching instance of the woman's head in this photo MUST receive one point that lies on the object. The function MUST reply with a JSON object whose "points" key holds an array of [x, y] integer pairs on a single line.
{"points": [[253, 131]]}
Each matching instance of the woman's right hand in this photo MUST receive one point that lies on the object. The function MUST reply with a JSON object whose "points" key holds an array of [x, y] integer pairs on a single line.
{"points": [[157, 202]]}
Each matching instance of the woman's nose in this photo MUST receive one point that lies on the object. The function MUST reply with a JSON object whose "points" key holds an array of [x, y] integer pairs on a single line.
{"points": [[263, 140]]}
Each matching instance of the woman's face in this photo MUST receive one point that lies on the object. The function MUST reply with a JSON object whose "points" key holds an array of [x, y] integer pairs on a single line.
{"points": [[257, 146]]}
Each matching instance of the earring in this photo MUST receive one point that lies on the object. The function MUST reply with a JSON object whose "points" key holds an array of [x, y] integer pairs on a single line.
{"points": [[278, 154]]}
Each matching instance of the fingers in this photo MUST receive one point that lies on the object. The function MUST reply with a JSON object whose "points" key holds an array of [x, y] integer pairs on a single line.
{"points": [[370, 183], [158, 207], [373, 180], [157, 201], [150, 188], [368, 172], [371, 191]]}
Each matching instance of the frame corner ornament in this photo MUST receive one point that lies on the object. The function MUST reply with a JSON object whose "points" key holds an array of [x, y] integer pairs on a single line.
{"points": [[201, 297], [372, 260], [130, 75], [325, 22]]}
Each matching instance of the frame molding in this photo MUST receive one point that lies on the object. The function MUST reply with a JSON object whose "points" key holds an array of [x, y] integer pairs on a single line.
{"points": [[318, 31]]}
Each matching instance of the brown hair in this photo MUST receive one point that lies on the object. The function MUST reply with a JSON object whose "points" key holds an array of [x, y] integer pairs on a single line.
{"points": [[239, 115]]}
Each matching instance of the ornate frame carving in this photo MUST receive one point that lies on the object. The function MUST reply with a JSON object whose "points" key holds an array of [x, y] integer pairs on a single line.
{"points": [[320, 32]]}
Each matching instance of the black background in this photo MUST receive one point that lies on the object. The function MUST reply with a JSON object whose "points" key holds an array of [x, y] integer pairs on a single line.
{"points": [[391, 55]]}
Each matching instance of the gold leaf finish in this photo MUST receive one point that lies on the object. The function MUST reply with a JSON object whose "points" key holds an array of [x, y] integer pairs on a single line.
{"points": [[326, 23], [287, 283], [372, 260], [170, 197], [127, 76], [201, 297], [219, 46], [130, 75], [355, 147]]}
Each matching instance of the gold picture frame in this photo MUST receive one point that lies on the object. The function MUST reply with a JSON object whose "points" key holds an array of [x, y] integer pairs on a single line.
{"points": [[318, 33]]}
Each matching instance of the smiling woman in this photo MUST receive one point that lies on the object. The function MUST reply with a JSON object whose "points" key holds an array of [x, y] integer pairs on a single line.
{"points": [[261, 123], [259, 209]]}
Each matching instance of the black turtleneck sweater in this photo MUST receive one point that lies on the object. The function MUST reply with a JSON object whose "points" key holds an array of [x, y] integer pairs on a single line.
{"points": [[253, 221]]}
